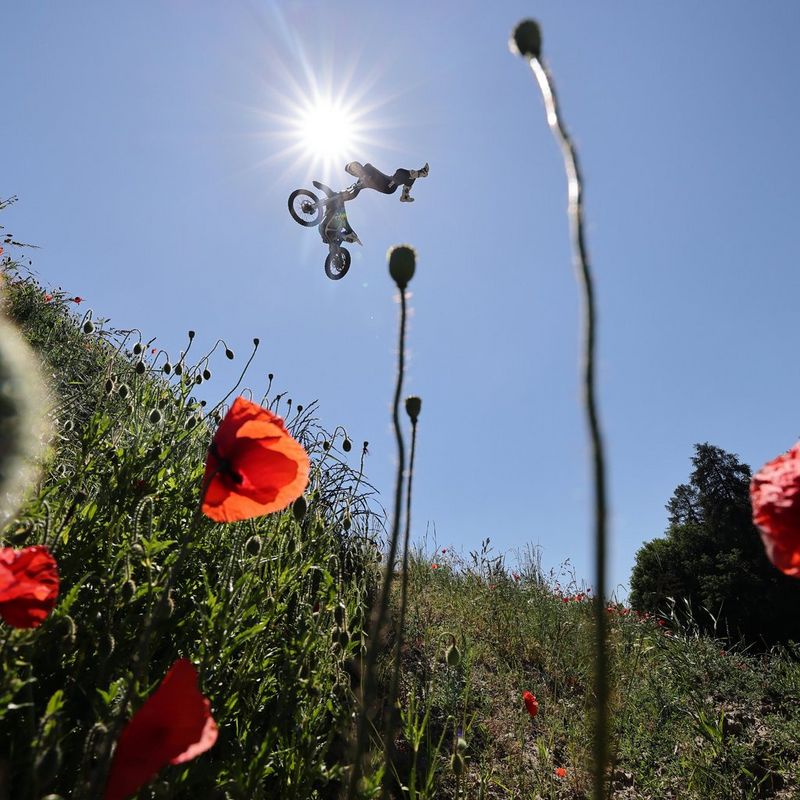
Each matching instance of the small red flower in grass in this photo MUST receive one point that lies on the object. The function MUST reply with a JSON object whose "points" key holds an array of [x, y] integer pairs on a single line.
{"points": [[775, 498], [48, 297], [28, 585], [77, 300], [434, 566], [561, 772], [530, 703], [254, 466], [173, 726]]}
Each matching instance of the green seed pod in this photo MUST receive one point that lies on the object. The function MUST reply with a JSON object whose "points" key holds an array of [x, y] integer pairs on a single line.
{"points": [[140, 368], [413, 407], [155, 416], [461, 745], [88, 326], [453, 656], [526, 40], [347, 445], [457, 764], [299, 508], [402, 264], [253, 545], [128, 591]]}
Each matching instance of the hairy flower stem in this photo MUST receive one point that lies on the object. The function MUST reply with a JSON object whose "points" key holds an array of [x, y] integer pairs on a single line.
{"points": [[369, 682], [575, 211]]}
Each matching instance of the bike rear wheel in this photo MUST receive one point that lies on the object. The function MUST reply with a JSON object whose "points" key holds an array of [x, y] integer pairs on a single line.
{"points": [[337, 263], [305, 207]]}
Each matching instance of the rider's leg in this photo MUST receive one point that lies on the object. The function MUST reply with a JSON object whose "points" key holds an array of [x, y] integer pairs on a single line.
{"points": [[405, 197], [422, 172]]}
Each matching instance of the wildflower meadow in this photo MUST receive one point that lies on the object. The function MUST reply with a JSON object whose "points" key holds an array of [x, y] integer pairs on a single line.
{"points": [[208, 599]]}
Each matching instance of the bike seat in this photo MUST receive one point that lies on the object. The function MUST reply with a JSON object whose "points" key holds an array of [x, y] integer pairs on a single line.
{"points": [[323, 188]]}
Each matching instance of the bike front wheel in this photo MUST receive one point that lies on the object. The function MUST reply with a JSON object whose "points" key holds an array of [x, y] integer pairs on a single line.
{"points": [[337, 263], [305, 207]]}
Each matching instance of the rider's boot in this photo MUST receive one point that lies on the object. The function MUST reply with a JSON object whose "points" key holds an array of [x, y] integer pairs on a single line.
{"points": [[405, 197], [420, 173]]}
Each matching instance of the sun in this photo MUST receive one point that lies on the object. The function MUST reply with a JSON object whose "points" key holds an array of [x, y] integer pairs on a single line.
{"points": [[328, 131]]}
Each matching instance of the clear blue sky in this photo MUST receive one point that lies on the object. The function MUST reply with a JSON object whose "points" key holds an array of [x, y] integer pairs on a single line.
{"points": [[147, 143]]}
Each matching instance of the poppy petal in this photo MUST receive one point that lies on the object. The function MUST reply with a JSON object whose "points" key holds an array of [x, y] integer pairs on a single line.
{"points": [[28, 585], [173, 726]]}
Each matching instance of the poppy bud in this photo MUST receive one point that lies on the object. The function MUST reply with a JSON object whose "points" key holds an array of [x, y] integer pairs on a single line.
{"points": [[191, 421], [170, 605], [167, 368], [128, 591], [299, 508], [461, 745], [198, 379], [88, 326], [270, 376], [253, 545], [413, 407], [123, 390], [191, 334], [67, 629], [68, 425], [326, 445], [402, 263], [178, 369], [526, 40], [137, 549], [453, 656], [256, 341], [109, 386], [94, 741], [457, 763], [343, 639], [346, 523], [155, 416], [107, 645], [137, 348], [139, 367], [339, 614], [229, 353], [347, 445], [299, 409], [206, 374]]}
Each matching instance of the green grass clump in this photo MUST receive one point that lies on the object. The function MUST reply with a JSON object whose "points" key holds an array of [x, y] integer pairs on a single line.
{"points": [[692, 717], [270, 610]]}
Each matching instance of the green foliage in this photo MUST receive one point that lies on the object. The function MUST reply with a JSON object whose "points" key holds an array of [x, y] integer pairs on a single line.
{"points": [[712, 558], [269, 610]]}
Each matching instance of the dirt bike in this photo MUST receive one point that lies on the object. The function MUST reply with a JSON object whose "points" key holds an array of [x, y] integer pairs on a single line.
{"points": [[329, 214]]}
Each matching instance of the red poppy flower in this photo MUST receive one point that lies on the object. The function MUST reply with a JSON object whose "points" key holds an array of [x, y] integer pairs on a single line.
{"points": [[530, 703], [77, 300], [28, 585], [173, 726], [434, 566], [561, 772], [47, 297], [254, 466], [775, 497]]}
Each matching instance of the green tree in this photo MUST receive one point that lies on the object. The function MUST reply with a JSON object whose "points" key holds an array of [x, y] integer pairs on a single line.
{"points": [[711, 561]]}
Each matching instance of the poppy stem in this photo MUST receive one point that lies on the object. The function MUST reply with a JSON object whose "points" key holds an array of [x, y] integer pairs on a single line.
{"points": [[379, 614], [581, 257]]}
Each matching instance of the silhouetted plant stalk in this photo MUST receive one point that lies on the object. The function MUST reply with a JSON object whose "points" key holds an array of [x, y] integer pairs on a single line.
{"points": [[527, 42], [402, 263]]}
